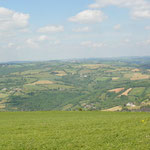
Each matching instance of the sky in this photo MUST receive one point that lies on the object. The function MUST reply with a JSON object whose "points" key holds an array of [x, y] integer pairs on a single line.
{"points": [[36, 30]]}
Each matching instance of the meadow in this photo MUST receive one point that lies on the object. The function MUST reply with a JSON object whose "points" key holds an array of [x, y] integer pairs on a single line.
{"points": [[74, 130]]}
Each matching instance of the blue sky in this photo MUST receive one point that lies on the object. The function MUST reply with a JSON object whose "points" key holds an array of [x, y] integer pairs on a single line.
{"points": [[63, 29]]}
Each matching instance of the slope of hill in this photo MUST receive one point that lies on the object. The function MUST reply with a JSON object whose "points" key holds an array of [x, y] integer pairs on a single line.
{"points": [[90, 84]]}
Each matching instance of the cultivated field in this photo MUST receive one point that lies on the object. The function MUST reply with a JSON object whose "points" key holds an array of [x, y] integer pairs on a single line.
{"points": [[74, 131], [116, 90], [126, 92]]}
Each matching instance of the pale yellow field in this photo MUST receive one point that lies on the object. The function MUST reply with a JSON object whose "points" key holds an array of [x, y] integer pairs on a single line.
{"points": [[115, 78], [126, 92], [2, 95], [134, 108], [136, 70], [117, 108], [117, 70], [94, 66], [2, 106], [136, 76], [116, 90], [60, 73], [139, 76], [67, 107], [42, 82], [85, 71]]}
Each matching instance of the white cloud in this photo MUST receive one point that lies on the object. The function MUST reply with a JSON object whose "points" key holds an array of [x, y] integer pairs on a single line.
{"points": [[139, 8], [32, 43], [42, 38], [117, 26], [12, 25], [50, 28], [83, 29], [92, 44], [143, 43], [11, 20], [10, 45], [41, 41], [148, 42], [126, 40], [147, 27], [88, 16], [141, 14], [57, 42]]}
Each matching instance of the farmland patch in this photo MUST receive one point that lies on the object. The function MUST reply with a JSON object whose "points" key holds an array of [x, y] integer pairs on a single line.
{"points": [[126, 92], [139, 76], [42, 82], [116, 90], [117, 108]]}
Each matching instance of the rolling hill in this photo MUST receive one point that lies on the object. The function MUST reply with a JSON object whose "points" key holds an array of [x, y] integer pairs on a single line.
{"points": [[81, 84]]}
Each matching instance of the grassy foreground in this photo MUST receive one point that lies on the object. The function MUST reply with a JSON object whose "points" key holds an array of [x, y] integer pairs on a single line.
{"points": [[74, 131]]}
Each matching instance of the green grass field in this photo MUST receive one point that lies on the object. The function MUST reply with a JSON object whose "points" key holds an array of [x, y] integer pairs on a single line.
{"points": [[74, 131]]}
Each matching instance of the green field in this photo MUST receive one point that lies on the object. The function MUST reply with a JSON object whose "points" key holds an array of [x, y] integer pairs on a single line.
{"points": [[74, 131]]}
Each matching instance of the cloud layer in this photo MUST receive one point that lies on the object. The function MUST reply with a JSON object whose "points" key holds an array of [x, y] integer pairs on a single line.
{"points": [[78, 34]]}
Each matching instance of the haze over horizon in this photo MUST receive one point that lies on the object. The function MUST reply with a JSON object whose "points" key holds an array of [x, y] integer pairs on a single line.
{"points": [[44, 30]]}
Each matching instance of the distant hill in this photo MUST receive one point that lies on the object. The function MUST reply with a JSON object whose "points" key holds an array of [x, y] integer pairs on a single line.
{"points": [[80, 84]]}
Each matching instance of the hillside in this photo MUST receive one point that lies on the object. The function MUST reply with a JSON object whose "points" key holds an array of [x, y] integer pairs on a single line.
{"points": [[84, 84]]}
